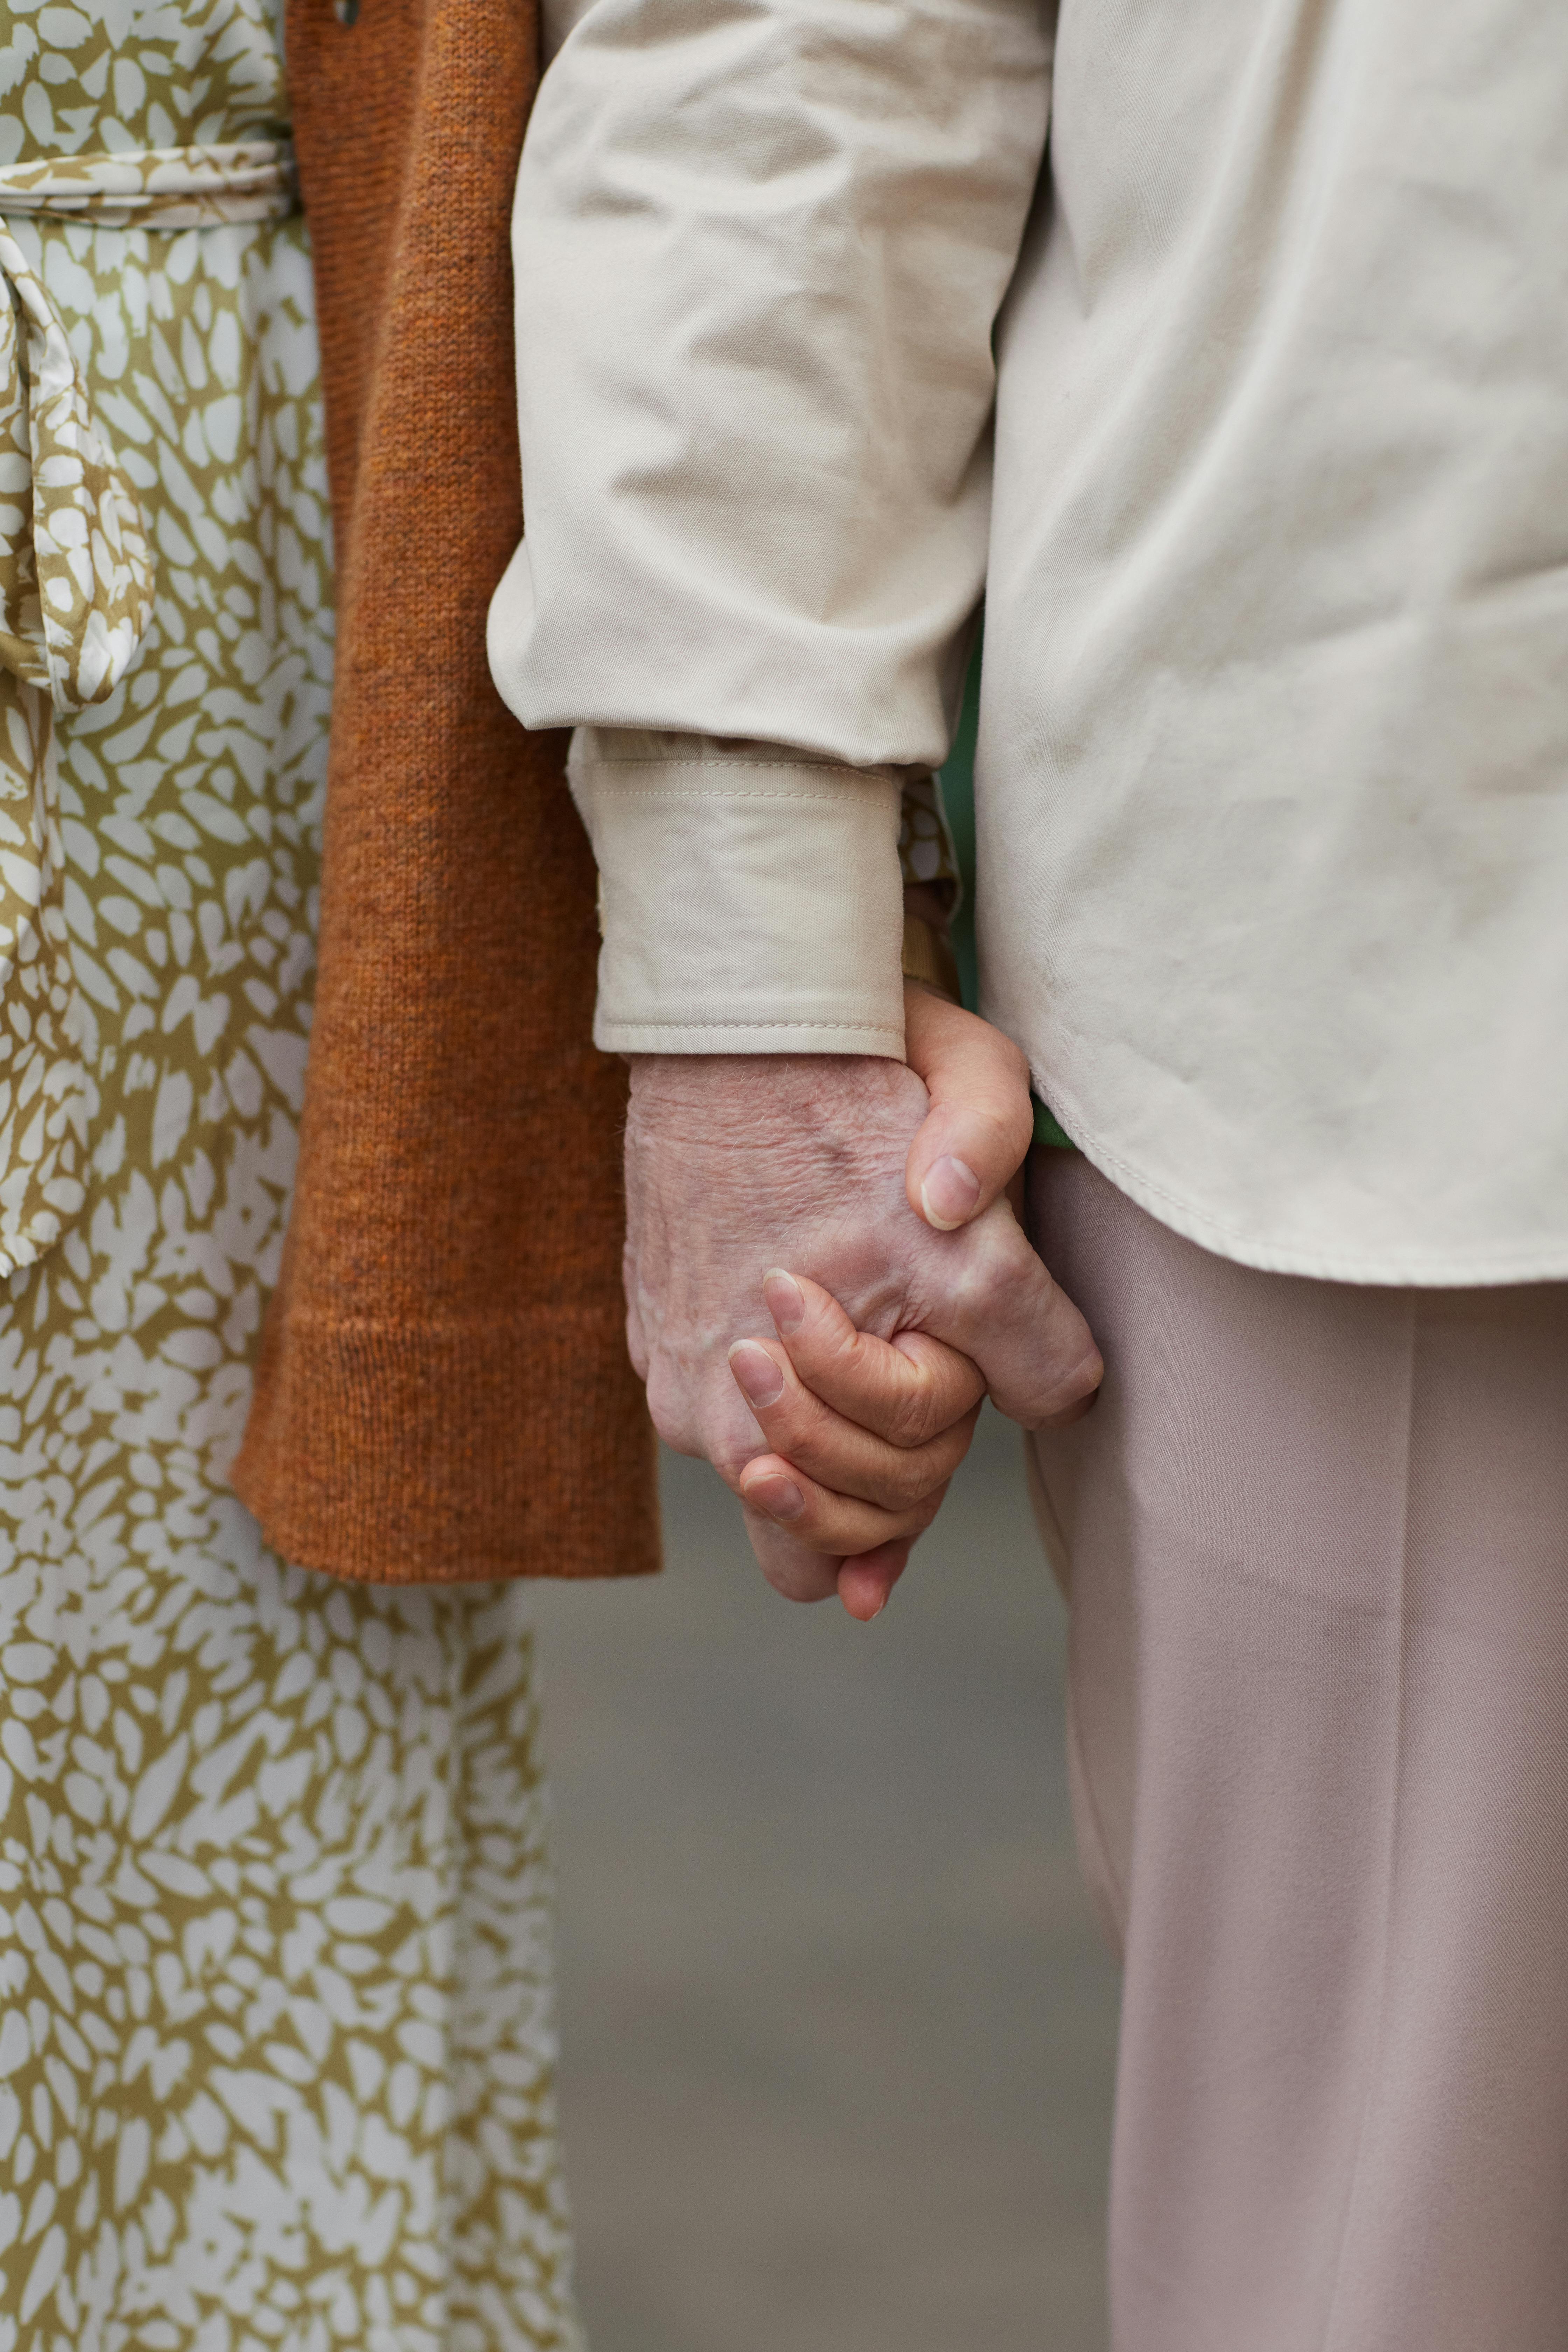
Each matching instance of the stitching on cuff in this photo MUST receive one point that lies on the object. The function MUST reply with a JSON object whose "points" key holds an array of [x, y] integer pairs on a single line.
{"points": [[866, 1028], [695, 793], [883, 773]]}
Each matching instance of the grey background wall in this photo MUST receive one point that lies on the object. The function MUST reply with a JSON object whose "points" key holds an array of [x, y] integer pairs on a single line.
{"points": [[839, 2024]]}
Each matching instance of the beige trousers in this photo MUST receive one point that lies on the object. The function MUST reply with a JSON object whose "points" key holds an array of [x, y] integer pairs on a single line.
{"points": [[1317, 1541]]}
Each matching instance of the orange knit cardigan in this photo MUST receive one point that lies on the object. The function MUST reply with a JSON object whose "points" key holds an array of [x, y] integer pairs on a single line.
{"points": [[444, 1391]]}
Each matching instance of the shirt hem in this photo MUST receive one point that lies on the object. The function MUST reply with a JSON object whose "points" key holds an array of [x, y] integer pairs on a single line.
{"points": [[1450, 1270], [615, 1037]]}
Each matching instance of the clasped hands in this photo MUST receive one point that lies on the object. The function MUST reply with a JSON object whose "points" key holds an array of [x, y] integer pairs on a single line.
{"points": [[860, 1207]]}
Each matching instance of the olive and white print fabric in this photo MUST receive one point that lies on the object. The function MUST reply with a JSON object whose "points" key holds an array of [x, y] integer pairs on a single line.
{"points": [[275, 1992]]}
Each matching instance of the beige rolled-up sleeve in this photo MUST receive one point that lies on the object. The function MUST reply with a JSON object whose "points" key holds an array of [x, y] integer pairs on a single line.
{"points": [[750, 899], [759, 250]]}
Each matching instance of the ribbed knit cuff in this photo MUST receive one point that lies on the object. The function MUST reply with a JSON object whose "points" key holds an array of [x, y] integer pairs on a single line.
{"points": [[749, 896], [407, 1453]]}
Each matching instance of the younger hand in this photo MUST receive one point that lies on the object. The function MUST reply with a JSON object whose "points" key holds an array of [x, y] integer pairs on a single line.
{"points": [[864, 1434]]}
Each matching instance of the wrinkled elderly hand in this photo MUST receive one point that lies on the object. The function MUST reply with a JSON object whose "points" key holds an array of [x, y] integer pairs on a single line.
{"points": [[842, 1169]]}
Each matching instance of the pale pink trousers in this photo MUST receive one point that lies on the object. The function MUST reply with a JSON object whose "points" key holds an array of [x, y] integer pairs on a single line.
{"points": [[1317, 1542]]}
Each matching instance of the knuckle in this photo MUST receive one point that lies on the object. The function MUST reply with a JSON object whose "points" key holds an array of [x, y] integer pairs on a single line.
{"points": [[687, 1422], [803, 1415], [729, 1461], [666, 1405], [989, 1284], [979, 1292], [915, 1521], [904, 1483], [911, 1418], [898, 1523], [845, 1357]]}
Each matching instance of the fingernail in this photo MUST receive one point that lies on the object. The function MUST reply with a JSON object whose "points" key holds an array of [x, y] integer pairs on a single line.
{"points": [[949, 1192], [786, 1301], [762, 1382], [776, 1496]]}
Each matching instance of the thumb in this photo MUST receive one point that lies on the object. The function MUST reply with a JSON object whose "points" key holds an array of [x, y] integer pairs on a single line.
{"points": [[981, 1120]]}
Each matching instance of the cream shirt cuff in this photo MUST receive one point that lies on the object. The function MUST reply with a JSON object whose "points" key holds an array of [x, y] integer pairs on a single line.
{"points": [[749, 896]]}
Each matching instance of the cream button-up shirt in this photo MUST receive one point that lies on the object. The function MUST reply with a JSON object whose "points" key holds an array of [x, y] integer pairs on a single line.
{"points": [[1247, 407]]}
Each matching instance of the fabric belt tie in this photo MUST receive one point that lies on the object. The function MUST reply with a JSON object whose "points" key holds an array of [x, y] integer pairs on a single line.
{"points": [[76, 562], [76, 601]]}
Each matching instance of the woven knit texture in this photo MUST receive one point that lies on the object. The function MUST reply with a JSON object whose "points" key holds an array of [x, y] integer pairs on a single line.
{"points": [[444, 1390]]}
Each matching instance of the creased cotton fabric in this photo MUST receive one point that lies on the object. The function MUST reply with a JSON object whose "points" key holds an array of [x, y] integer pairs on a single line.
{"points": [[1270, 509]]}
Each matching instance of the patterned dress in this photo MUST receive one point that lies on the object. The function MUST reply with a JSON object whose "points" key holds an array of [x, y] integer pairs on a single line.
{"points": [[275, 1996]]}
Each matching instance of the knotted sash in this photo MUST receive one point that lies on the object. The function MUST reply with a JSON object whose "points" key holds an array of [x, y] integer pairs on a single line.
{"points": [[76, 601]]}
